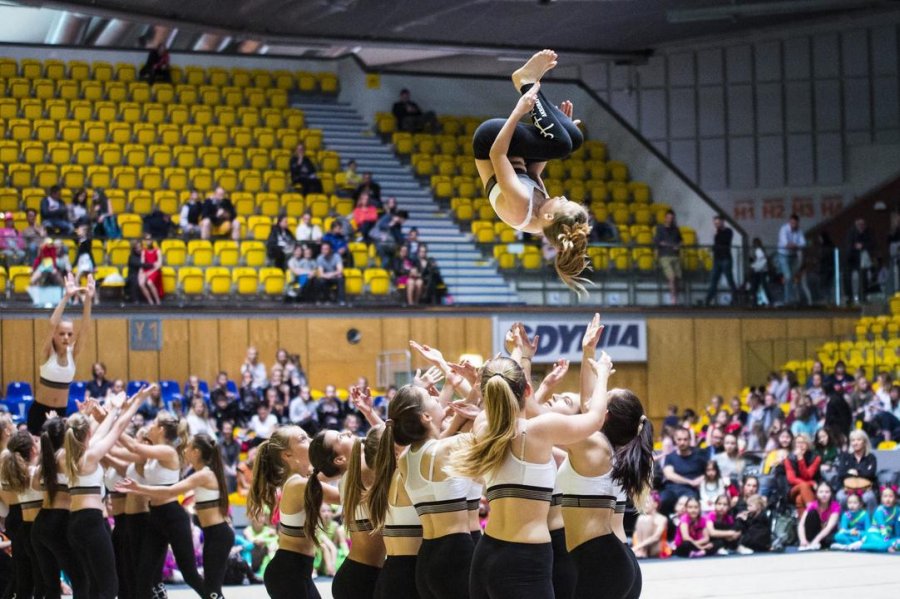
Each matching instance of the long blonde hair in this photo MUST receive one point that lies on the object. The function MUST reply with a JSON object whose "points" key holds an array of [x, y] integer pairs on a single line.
{"points": [[14, 462], [176, 431], [75, 444], [503, 387], [270, 471], [568, 232]]}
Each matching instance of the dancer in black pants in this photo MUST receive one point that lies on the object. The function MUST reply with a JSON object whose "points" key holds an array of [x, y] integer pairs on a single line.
{"points": [[211, 504], [17, 466], [84, 447], [510, 157], [13, 519], [282, 462], [169, 524]]}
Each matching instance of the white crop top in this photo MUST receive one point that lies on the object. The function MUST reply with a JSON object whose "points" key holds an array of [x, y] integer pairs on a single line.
{"points": [[29, 498], [291, 525], [132, 472], [473, 497], [110, 479], [520, 479], [585, 491], [401, 520], [157, 474], [206, 498], [360, 521], [493, 191], [55, 375], [428, 495], [88, 484]]}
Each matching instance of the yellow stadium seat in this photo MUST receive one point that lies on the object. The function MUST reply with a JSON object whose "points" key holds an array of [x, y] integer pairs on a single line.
{"points": [[306, 82], [126, 177], [377, 281], [187, 94], [177, 114], [166, 200], [56, 110], [69, 131], [43, 89], [176, 178], [98, 176], [46, 175], [135, 155], [117, 252], [9, 151], [248, 116], [18, 88], [210, 158], [20, 175], [211, 96], [9, 108], [194, 135], [292, 204], [253, 253], [19, 278], [33, 152], [260, 226], [240, 77], [185, 156], [226, 252], [125, 72], [19, 129], [232, 96], [31, 109], [163, 93], [72, 176], [9, 68], [226, 178], [258, 158], [131, 225], [271, 281], [102, 71], [217, 136], [174, 252], [218, 280], [328, 83], [268, 204], [190, 280], [201, 178], [201, 115], [275, 181], [9, 199], [67, 89], [245, 280], [130, 112], [244, 203], [139, 92], [150, 177], [44, 130], [140, 201], [200, 252]]}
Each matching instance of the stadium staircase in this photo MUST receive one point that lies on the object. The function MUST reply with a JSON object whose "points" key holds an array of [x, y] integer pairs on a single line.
{"points": [[470, 278]]}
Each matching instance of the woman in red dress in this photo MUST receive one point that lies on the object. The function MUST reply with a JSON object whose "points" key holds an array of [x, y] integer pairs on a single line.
{"points": [[150, 277]]}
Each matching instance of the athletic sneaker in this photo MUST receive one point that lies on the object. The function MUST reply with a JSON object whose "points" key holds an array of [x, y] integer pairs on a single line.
{"points": [[839, 547], [697, 553], [855, 546], [744, 550], [723, 551]]}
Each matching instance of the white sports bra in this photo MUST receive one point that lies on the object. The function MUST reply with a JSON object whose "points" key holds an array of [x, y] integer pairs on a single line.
{"points": [[360, 521], [401, 520], [29, 498], [110, 479], [585, 491], [493, 191], [132, 472], [88, 484], [55, 375], [428, 495], [291, 525], [206, 498], [516, 478], [473, 497], [157, 474]]}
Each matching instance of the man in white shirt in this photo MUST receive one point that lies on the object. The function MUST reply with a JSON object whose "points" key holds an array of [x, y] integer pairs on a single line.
{"points": [[256, 368], [791, 242], [263, 423]]}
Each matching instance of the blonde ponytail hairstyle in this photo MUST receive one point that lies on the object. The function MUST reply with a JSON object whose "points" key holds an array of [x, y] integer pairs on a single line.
{"points": [[270, 471], [14, 462], [75, 443], [503, 388], [354, 488], [176, 430], [568, 232]]}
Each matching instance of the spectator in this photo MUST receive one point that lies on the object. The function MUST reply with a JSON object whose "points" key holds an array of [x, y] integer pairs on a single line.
{"points": [[248, 396], [720, 524], [816, 391], [861, 396], [78, 209], [12, 245], [370, 186], [98, 386], [759, 274], [784, 441], [44, 269], [218, 216], [133, 291], [853, 526], [224, 406], [152, 404], [263, 424], [791, 242], [103, 217], [817, 368], [331, 411], [433, 282], [802, 472], [54, 214], [756, 533], [649, 538], [683, 472], [150, 276], [738, 413], [84, 255], [723, 263], [857, 470], [731, 463], [293, 371], [692, 537], [859, 252], [307, 231], [336, 239], [712, 486], [882, 535], [198, 419], [388, 234], [406, 275], [412, 240], [302, 411], [281, 243], [33, 235], [668, 245], [330, 274], [671, 420], [410, 117], [364, 216], [302, 267], [352, 425], [191, 214], [265, 544], [826, 449], [63, 264], [820, 520], [740, 504], [840, 381], [352, 178], [230, 451], [714, 442], [256, 368], [303, 172], [805, 420], [157, 66]]}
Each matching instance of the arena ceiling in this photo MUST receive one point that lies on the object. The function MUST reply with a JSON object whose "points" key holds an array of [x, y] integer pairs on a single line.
{"points": [[406, 32]]}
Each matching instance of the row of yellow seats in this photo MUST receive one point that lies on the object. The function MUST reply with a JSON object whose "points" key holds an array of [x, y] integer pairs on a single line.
{"points": [[447, 187], [63, 153], [139, 92], [878, 326], [386, 124], [895, 303], [636, 214], [449, 164], [33, 109]]}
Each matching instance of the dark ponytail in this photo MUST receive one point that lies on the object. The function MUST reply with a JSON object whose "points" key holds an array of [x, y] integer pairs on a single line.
{"points": [[53, 434], [209, 453], [321, 456], [631, 434]]}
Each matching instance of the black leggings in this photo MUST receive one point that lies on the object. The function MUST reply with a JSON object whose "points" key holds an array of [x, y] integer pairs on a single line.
{"points": [[565, 575], [289, 576], [124, 564], [28, 576], [89, 532], [550, 135], [604, 569], [217, 543], [812, 526], [442, 570], [354, 580], [168, 525], [476, 535], [397, 579], [54, 553], [505, 570], [638, 584], [13, 526], [134, 526]]}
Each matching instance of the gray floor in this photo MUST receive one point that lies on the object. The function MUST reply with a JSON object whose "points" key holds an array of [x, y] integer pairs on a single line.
{"points": [[821, 575]]}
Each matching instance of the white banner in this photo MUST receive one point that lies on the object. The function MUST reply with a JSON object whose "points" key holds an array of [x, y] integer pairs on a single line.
{"points": [[624, 339]]}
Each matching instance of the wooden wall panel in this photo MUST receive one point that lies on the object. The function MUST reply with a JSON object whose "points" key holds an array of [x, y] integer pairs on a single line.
{"points": [[18, 352], [333, 360], [395, 334], [263, 333], [423, 330], [38, 338], [451, 338], [204, 354], [233, 342], [112, 347], [175, 357], [292, 336], [763, 328], [143, 365], [480, 336], [717, 357], [88, 353], [808, 327], [670, 375]]}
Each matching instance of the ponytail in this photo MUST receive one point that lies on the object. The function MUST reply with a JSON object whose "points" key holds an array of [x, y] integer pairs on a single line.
{"points": [[385, 465], [209, 453], [503, 389], [176, 431], [77, 428], [14, 462], [269, 472], [631, 434], [569, 232], [52, 437], [322, 457]]}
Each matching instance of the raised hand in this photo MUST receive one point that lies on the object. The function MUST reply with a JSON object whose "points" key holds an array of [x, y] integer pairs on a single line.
{"points": [[466, 371], [71, 288], [126, 485], [465, 409], [91, 288], [430, 354], [556, 373], [362, 400], [592, 336], [527, 347], [527, 101], [602, 367]]}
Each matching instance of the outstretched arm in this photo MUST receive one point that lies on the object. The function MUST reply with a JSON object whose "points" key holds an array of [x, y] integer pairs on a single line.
{"points": [[162, 493], [68, 292], [84, 332], [100, 446]]}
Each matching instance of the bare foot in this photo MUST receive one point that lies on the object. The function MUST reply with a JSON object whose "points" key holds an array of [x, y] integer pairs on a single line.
{"points": [[534, 69]]}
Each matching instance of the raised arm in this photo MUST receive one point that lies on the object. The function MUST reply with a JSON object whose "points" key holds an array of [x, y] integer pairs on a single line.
{"points": [[588, 350], [147, 452], [535, 403], [83, 333], [162, 493], [362, 399], [69, 291], [100, 445], [434, 356]]}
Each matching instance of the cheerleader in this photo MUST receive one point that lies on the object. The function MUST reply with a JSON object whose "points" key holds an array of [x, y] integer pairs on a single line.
{"points": [[51, 548], [282, 462], [17, 467], [515, 456], [336, 454], [9, 508], [211, 504], [113, 473], [85, 445], [168, 522], [59, 353]]}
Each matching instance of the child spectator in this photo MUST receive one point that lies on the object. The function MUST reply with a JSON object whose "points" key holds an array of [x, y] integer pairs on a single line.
{"points": [[649, 539], [885, 528], [712, 487], [675, 517], [265, 544], [722, 530], [820, 520], [352, 178], [365, 215], [756, 533], [263, 424], [854, 524], [334, 547], [692, 538], [748, 490]]}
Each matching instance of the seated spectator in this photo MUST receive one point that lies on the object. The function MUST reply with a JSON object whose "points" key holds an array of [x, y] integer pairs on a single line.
{"points": [[364, 216], [302, 411], [248, 397], [730, 461], [722, 529], [307, 231], [388, 234], [330, 274], [191, 214], [802, 472], [336, 239], [882, 418], [198, 419], [157, 66], [352, 425], [773, 485], [218, 216], [738, 414], [819, 522], [406, 274], [230, 451], [265, 544], [715, 437], [806, 420], [352, 178], [433, 288], [33, 235], [150, 276], [224, 406], [303, 172], [281, 242], [331, 410], [683, 472], [884, 533], [816, 391], [152, 404], [12, 246], [293, 371], [84, 253], [256, 368], [78, 209], [840, 379], [63, 264], [692, 537], [649, 539], [368, 185], [756, 532], [390, 206], [44, 269], [410, 117], [133, 291], [334, 535], [302, 268], [412, 240], [103, 218], [826, 449], [54, 213], [857, 470], [98, 386], [853, 526], [192, 388], [748, 489], [712, 487], [263, 424]]}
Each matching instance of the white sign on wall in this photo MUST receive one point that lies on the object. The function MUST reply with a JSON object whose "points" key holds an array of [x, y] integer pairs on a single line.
{"points": [[624, 339]]}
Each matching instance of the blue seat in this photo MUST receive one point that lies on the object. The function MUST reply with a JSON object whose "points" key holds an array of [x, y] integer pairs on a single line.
{"points": [[77, 391], [134, 386], [19, 398], [204, 389], [232, 387], [169, 391]]}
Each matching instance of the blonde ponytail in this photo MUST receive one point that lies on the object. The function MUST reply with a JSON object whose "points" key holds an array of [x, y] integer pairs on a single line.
{"points": [[77, 428], [14, 462], [569, 232], [270, 471]]}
